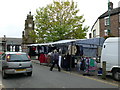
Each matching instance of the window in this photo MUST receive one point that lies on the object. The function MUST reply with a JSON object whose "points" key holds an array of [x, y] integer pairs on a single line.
{"points": [[106, 21], [94, 33], [90, 35], [106, 32]]}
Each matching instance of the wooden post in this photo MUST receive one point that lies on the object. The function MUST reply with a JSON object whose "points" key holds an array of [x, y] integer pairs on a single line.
{"points": [[104, 70]]}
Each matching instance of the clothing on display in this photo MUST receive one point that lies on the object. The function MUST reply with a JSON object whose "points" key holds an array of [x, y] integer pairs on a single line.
{"points": [[81, 50], [48, 58], [60, 58], [88, 64], [42, 58], [72, 49], [31, 51]]}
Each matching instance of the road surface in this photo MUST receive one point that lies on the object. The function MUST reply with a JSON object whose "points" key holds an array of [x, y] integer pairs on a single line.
{"points": [[43, 78]]}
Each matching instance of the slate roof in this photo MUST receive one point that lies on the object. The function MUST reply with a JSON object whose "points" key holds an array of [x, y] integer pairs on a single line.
{"points": [[112, 12], [17, 41]]}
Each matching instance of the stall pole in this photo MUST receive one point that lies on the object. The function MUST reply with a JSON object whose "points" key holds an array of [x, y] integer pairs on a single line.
{"points": [[71, 57]]}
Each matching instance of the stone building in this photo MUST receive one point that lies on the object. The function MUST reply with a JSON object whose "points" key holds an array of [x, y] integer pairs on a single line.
{"points": [[10, 44], [29, 28]]}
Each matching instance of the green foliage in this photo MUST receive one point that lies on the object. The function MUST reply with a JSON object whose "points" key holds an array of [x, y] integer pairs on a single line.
{"points": [[59, 21]]}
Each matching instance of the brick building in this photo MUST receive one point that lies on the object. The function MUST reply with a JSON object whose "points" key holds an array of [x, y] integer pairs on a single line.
{"points": [[102, 27]]}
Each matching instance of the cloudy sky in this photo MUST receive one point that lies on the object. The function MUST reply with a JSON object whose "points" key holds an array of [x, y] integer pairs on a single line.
{"points": [[13, 13]]}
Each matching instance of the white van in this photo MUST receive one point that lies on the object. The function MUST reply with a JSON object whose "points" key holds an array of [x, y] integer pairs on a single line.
{"points": [[111, 54]]}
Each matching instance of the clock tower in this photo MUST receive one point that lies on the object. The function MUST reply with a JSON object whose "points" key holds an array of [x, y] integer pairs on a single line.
{"points": [[29, 26]]}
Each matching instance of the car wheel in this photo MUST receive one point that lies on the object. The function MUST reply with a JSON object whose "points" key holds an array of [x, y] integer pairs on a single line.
{"points": [[116, 74], [29, 73], [4, 75]]}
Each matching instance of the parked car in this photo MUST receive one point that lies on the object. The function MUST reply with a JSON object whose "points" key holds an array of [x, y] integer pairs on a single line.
{"points": [[110, 54], [15, 62]]}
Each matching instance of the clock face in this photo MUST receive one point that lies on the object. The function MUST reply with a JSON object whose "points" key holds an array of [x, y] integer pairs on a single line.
{"points": [[29, 25]]}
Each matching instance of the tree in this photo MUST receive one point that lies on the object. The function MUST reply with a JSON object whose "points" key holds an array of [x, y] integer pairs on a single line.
{"points": [[59, 21]]}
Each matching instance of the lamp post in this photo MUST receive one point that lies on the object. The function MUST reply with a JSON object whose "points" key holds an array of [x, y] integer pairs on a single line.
{"points": [[109, 29]]}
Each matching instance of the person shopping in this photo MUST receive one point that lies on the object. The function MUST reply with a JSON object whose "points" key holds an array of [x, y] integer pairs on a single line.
{"points": [[55, 61]]}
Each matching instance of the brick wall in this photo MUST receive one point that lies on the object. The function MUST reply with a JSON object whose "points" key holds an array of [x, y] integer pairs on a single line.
{"points": [[115, 24]]}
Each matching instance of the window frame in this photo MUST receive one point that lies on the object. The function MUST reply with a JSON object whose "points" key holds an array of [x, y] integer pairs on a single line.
{"points": [[106, 32], [94, 33], [106, 21]]}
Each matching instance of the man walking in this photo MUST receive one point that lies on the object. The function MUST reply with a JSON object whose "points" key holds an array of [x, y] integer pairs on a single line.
{"points": [[55, 60]]}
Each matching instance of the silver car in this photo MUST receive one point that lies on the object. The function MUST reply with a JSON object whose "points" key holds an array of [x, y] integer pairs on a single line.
{"points": [[15, 62]]}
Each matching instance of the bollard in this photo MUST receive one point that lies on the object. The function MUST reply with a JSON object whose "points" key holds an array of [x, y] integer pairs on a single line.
{"points": [[104, 70]]}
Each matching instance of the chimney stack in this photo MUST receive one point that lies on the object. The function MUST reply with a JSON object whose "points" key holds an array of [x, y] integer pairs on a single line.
{"points": [[110, 5]]}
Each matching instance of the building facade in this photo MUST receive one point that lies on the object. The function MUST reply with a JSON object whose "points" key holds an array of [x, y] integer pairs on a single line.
{"points": [[26, 34], [29, 27], [95, 29], [105, 26], [10, 44], [2, 44]]}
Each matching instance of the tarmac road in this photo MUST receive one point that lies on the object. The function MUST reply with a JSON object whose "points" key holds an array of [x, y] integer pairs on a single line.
{"points": [[43, 78]]}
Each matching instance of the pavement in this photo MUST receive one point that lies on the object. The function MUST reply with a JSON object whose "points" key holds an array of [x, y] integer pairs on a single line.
{"points": [[93, 76], [1, 86]]}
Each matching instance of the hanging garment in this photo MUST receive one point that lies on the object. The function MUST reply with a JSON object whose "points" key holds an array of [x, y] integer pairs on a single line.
{"points": [[42, 58], [78, 50], [92, 65], [48, 59], [81, 50], [72, 49], [73, 62], [83, 65], [92, 62], [39, 48], [60, 57]]}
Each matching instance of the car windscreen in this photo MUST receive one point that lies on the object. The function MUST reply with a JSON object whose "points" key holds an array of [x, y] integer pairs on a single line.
{"points": [[18, 57]]}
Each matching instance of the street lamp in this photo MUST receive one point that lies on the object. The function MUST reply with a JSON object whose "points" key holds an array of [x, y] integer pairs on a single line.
{"points": [[109, 7]]}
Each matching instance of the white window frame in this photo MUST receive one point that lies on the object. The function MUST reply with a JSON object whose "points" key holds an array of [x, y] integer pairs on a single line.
{"points": [[106, 32], [106, 21]]}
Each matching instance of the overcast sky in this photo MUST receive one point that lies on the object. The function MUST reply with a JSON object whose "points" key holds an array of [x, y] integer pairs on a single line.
{"points": [[13, 13]]}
